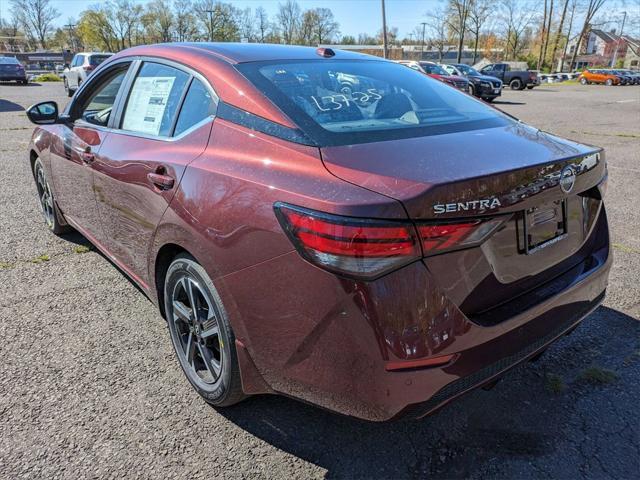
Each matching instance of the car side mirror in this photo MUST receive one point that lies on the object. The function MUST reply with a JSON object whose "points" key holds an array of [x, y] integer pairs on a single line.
{"points": [[44, 113]]}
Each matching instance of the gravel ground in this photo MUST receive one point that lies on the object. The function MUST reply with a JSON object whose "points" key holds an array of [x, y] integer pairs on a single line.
{"points": [[89, 386]]}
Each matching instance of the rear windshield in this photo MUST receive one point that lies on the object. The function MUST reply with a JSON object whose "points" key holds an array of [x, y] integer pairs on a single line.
{"points": [[337, 102], [96, 60]]}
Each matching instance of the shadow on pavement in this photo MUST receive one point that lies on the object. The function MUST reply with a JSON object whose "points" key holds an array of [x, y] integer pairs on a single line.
{"points": [[7, 106], [521, 423], [505, 102]]}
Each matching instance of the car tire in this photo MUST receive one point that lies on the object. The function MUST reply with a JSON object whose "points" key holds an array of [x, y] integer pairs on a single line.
{"points": [[67, 89], [202, 337], [489, 99], [583, 81], [530, 87], [471, 90], [516, 84], [48, 206], [609, 82]]}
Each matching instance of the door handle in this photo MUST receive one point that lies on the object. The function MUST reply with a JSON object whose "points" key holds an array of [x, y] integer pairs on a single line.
{"points": [[161, 180], [87, 156]]}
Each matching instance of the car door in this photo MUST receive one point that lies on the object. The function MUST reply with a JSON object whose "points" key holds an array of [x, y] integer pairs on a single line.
{"points": [[164, 124], [79, 142]]}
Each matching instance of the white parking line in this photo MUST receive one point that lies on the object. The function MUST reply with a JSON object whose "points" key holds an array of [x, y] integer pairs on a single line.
{"points": [[626, 101]]}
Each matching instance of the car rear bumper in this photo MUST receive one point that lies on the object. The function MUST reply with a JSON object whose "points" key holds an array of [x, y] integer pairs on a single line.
{"points": [[330, 341], [12, 78]]}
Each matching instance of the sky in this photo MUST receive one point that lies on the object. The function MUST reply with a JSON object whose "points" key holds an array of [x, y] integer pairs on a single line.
{"points": [[354, 16]]}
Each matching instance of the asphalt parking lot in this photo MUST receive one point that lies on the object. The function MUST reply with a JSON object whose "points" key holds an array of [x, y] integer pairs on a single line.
{"points": [[89, 386]]}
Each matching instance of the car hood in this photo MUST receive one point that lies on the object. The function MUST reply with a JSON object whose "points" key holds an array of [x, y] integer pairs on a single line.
{"points": [[474, 163]]}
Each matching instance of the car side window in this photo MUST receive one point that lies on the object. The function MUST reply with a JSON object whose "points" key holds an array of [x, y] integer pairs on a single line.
{"points": [[154, 99], [97, 107], [79, 60], [197, 105]]}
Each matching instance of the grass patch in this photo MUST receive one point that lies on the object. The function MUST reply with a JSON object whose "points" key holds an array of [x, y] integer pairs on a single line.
{"points": [[554, 383], [81, 249], [598, 376], [624, 248], [41, 258], [5, 265], [48, 77]]}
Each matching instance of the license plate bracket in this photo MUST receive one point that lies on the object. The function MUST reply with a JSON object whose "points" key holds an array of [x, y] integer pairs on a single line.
{"points": [[542, 226]]}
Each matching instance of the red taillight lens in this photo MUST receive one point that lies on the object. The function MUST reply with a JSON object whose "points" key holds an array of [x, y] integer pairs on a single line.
{"points": [[367, 249], [88, 68], [352, 247], [448, 236]]}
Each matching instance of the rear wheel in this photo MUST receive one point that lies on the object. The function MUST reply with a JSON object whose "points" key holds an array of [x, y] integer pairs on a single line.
{"points": [[516, 84], [609, 82], [200, 332], [583, 81], [48, 207]]}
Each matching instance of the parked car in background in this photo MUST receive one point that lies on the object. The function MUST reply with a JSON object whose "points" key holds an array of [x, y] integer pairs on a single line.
{"points": [[436, 71], [598, 76], [516, 79], [482, 86], [378, 254], [11, 70], [635, 76], [81, 67], [625, 78]]}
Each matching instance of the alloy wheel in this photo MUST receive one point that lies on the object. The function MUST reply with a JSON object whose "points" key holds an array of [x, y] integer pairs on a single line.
{"points": [[45, 197], [197, 329]]}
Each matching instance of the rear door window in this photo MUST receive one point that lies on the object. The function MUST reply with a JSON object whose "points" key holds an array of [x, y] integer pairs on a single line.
{"points": [[154, 99], [198, 105]]}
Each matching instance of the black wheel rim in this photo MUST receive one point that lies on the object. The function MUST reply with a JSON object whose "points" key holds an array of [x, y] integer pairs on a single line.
{"points": [[45, 197], [197, 333]]}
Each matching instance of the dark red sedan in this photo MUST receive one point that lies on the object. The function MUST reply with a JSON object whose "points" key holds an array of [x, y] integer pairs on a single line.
{"points": [[377, 252]]}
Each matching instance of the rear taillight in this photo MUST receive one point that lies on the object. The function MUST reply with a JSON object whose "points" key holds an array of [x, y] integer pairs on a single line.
{"points": [[444, 237], [367, 249], [88, 68]]}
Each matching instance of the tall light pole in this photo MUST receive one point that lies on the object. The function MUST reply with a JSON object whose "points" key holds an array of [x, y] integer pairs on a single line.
{"points": [[424, 24], [210, 12], [71, 26], [615, 52], [384, 32]]}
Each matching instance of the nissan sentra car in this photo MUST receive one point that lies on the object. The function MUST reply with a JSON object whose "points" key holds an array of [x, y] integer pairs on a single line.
{"points": [[376, 251]]}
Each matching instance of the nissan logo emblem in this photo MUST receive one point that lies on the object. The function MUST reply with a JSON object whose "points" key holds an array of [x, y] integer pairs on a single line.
{"points": [[567, 178]]}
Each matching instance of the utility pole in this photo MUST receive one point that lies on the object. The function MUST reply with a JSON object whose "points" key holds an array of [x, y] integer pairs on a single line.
{"points": [[384, 32], [424, 24], [615, 52], [71, 26], [210, 12]]}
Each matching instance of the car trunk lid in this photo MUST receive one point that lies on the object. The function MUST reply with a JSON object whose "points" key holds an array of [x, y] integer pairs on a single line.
{"points": [[537, 182]]}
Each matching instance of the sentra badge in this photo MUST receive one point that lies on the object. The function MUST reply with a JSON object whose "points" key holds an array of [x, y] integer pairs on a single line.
{"points": [[484, 204]]}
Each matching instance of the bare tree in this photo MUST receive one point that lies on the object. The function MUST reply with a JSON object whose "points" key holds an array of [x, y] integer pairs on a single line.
{"points": [[158, 20], [262, 23], [542, 31], [457, 21], [326, 27], [437, 24], [35, 17], [247, 25], [547, 34], [289, 18], [479, 13], [556, 41], [222, 24], [574, 4], [185, 22], [516, 19], [592, 10]]}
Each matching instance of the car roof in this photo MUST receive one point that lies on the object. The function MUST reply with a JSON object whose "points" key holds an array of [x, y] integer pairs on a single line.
{"points": [[256, 52]]}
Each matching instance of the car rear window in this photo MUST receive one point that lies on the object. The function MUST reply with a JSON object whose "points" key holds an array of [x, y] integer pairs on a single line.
{"points": [[337, 102], [96, 60]]}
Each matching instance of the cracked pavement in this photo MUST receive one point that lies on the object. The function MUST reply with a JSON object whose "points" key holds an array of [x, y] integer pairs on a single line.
{"points": [[89, 386]]}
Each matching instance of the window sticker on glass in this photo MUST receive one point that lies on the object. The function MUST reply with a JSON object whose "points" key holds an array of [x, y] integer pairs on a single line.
{"points": [[147, 104]]}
